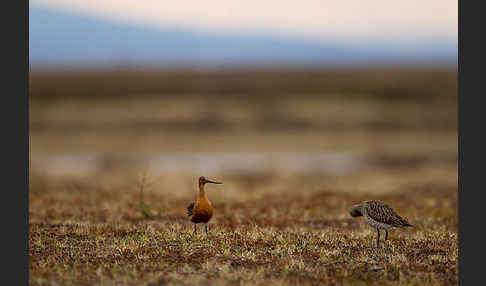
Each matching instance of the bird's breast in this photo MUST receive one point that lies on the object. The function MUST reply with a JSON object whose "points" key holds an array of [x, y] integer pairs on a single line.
{"points": [[203, 211]]}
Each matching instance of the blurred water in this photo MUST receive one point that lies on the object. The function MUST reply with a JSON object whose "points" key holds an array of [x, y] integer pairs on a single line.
{"points": [[199, 163]]}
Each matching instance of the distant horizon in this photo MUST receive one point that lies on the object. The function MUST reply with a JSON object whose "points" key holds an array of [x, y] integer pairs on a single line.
{"points": [[60, 39], [120, 66], [351, 21]]}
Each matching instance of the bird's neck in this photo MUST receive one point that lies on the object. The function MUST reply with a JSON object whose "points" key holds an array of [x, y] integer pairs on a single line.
{"points": [[202, 192]]}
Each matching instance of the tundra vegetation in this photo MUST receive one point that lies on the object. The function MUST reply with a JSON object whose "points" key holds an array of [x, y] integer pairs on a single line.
{"points": [[123, 223]]}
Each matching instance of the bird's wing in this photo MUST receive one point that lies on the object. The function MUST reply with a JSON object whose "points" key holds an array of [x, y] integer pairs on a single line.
{"points": [[381, 212], [190, 208]]}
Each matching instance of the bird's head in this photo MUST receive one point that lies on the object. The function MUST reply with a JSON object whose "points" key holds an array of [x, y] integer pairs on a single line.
{"points": [[355, 211], [203, 181]]}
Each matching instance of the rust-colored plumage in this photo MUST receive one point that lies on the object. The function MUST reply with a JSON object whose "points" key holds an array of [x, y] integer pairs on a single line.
{"points": [[380, 216], [201, 211]]}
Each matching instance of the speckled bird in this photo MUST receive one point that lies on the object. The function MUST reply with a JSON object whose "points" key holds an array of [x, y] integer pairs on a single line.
{"points": [[380, 216], [201, 211]]}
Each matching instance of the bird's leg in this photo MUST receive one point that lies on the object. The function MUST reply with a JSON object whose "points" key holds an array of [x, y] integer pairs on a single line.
{"points": [[386, 234], [195, 228], [206, 228], [378, 238]]}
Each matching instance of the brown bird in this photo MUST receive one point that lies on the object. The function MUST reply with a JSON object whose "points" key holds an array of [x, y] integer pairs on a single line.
{"points": [[202, 210], [380, 216]]}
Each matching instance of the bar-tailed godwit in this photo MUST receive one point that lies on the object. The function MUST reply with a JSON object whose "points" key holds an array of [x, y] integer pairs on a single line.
{"points": [[201, 211]]}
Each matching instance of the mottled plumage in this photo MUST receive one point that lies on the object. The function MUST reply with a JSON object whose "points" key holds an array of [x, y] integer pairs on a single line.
{"points": [[201, 211], [380, 216]]}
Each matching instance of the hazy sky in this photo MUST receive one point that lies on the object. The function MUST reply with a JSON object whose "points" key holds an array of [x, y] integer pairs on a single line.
{"points": [[350, 20]]}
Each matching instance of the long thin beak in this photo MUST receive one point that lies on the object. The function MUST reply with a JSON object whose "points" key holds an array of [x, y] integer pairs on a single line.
{"points": [[212, 182]]}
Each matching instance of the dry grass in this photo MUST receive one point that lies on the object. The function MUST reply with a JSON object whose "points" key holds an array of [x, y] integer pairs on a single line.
{"points": [[411, 111], [421, 84], [267, 230]]}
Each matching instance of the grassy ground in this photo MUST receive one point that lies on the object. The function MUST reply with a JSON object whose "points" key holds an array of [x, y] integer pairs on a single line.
{"points": [[268, 228], [419, 84]]}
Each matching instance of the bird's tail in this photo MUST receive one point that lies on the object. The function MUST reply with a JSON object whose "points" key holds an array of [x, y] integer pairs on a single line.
{"points": [[190, 208], [403, 222], [406, 224]]}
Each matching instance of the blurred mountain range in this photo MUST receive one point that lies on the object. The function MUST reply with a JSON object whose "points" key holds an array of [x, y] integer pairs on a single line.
{"points": [[65, 39]]}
